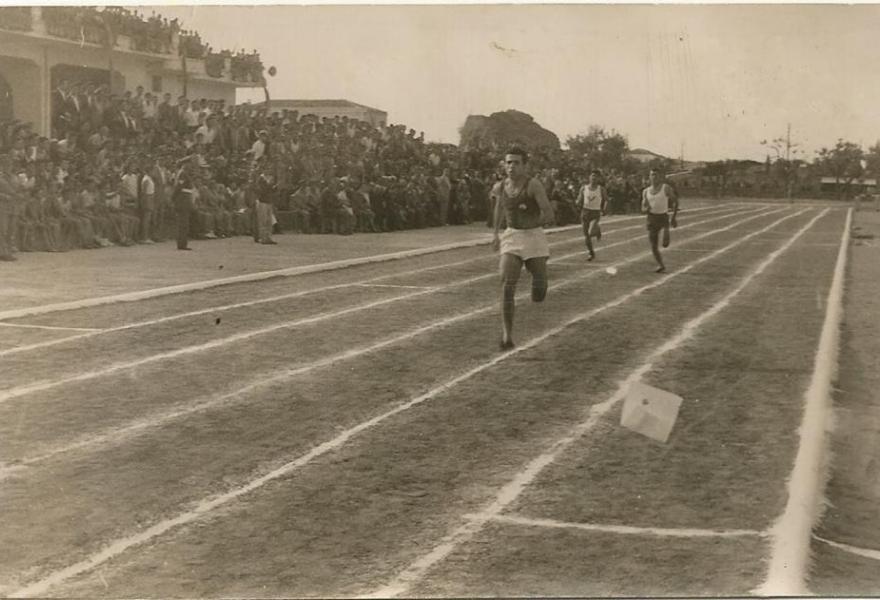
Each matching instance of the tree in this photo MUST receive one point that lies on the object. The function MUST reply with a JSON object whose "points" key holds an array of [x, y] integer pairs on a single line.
{"points": [[872, 160], [602, 149], [843, 162], [718, 171]]}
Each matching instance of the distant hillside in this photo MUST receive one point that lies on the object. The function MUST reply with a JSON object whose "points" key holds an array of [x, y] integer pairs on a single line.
{"points": [[506, 128]]}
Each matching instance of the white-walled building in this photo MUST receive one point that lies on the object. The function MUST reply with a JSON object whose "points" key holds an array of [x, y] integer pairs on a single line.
{"points": [[37, 52]]}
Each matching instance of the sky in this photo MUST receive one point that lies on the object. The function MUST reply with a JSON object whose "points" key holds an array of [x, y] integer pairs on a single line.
{"points": [[703, 81]]}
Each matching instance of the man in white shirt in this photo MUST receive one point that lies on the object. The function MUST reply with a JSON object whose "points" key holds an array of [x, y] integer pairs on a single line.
{"points": [[258, 150], [147, 205], [130, 181], [191, 117]]}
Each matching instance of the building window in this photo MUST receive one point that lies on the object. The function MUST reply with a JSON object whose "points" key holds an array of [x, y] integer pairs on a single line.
{"points": [[157, 83]]}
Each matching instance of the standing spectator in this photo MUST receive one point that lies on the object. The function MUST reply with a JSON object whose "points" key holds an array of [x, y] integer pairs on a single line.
{"points": [[184, 199], [147, 205], [167, 114], [9, 201], [266, 191]]}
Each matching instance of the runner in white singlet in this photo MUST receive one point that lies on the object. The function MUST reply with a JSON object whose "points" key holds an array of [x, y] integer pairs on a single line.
{"points": [[659, 200], [593, 199]]}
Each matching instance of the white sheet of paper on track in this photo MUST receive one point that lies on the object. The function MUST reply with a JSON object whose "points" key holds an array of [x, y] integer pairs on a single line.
{"points": [[650, 411]]}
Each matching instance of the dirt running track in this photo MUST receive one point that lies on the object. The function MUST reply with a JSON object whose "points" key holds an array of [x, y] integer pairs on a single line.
{"points": [[360, 434]]}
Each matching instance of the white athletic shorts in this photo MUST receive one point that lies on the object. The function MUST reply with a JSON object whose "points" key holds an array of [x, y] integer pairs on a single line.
{"points": [[525, 243]]}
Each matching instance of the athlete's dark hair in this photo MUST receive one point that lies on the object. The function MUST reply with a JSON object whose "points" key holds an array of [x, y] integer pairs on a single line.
{"points": [[517, 151], [596, 172]]}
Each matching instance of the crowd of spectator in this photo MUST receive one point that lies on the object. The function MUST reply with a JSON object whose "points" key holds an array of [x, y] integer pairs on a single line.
{"points": [[84, 186]]}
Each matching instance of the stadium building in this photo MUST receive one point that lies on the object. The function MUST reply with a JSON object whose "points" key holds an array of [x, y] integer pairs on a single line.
{"points": [[42, 46]]}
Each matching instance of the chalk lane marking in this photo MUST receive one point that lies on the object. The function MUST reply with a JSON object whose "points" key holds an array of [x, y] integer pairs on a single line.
{"points": [[863, 552], [677, 532], [401, 583], [292, 295], [119, 546], [50, 327], [288, 272], [788, 566], [120, 434], [18, 391]]}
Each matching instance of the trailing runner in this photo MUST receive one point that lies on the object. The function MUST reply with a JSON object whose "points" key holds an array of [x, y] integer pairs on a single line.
{"points": [[593, 200], [660, 201]]}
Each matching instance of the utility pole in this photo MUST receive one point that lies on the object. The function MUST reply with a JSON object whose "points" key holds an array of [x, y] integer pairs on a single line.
{"points": [[789, 171], [788, 143]]}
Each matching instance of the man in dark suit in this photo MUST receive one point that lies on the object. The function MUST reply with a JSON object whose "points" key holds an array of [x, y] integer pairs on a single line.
{"points": [[167, 114]]}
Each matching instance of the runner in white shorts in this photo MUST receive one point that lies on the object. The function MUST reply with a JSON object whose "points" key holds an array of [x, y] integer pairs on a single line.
{"points": [[521, 203]]}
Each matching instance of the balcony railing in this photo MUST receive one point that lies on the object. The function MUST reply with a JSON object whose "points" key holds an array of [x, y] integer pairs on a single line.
{"points": [[125, 30]]}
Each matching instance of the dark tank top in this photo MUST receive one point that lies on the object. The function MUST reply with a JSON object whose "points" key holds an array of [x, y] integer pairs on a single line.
{"points": [[521, 211]]}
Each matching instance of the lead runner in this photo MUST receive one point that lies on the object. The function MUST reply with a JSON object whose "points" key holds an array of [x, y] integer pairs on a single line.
{"points": [[521, 203]]}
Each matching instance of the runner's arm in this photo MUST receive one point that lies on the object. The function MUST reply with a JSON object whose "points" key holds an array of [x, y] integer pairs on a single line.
{"points": [[547, 216], [604, 193], [673, 201], [497, 217]]}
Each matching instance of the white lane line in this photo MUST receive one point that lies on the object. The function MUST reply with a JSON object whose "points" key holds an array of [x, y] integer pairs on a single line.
{"points": [[18, 391], [401, 583], [290, 296], [678, 532], [402, 287], [266, 380], [863, 552], [262, 275], [50, 327], [788, 567], [119, 546]]}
